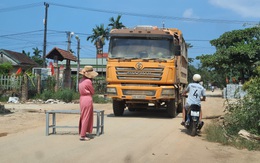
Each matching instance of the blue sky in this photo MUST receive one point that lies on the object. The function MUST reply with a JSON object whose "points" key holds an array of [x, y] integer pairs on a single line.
{"points": [[200, 21]]}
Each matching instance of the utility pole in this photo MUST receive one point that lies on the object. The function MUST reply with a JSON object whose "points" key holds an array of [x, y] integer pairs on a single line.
{"points": [[78, 65], [45, 34], [69, 35], [67, 71]]}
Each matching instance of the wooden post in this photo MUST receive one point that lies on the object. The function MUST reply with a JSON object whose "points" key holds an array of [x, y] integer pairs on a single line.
{"points": [[38, 84], [24, 88]]}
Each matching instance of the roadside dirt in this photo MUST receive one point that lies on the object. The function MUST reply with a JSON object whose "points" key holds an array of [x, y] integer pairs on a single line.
{"points": [[135, 137]]}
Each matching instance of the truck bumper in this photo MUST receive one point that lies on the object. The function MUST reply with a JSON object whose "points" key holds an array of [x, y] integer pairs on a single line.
{"points": [[143, 93]]}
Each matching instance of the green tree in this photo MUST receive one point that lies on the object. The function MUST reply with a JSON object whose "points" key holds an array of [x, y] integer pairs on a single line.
{"points": [[26, 53], [115, 23], [5, 68], [37, 56], [99, 35], [237, 53]]}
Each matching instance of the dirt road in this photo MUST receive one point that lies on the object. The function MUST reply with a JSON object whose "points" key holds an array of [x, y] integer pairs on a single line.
{"points": [[137, 137]]}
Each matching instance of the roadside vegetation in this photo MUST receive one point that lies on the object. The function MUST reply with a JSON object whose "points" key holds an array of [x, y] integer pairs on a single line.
{"points": [[238, 53], [70, 95], [242, 115]]}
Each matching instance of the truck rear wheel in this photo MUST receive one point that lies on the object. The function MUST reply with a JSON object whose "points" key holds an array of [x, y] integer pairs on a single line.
{"points": [[181, 104], [171, 109], [118, 107]]}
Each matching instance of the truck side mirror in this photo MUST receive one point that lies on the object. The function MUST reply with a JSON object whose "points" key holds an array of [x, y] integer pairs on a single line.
{"points": [[177, 50]]}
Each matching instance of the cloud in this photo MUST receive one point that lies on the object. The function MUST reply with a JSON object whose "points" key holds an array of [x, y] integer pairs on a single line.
{"points": [[188, 13], [245, 8]]}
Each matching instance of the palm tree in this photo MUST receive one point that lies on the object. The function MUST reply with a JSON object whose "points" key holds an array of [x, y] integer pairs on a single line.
{"points": [[37, 56], [116, 24], [26, 53], [100, 34]]}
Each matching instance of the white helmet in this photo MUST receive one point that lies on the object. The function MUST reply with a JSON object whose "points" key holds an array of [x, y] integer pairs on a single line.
{"points": [[196, 77]]}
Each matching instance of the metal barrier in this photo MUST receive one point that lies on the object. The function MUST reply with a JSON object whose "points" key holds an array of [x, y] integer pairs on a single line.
{"points": [[99, 121]]}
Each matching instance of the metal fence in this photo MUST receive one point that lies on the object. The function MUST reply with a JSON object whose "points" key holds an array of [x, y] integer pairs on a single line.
{"points": [[234, 91]]}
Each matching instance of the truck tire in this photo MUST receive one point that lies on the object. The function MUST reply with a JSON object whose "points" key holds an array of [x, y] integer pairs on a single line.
{"points": [[118, 107], [131, 108], [181, 104], [171, 109]]}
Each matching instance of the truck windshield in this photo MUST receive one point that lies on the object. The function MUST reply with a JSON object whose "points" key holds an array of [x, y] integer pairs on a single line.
{"points": [[142, 48]]}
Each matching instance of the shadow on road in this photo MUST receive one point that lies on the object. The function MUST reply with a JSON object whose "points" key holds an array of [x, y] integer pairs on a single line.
{"points": [[149, 113]]}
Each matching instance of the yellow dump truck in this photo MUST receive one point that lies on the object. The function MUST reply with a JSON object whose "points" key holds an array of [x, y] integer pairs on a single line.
{"points": [[146, 69]]}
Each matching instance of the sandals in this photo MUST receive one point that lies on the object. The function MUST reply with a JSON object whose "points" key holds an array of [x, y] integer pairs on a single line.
{"points": [[84, 139]]}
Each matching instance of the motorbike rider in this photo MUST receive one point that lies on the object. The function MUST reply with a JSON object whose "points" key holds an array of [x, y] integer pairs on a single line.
{"points": [[196, 94]]}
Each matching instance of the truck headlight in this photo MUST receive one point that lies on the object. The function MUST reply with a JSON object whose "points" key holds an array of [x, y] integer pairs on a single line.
{"points": [[168, 92], [111, 90]]}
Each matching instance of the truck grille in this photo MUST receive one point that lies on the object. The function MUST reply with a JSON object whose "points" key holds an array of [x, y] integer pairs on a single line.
{"points": [[130, 73], [138, 92]]}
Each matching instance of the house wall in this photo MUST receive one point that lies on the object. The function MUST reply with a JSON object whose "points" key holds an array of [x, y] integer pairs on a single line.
{"points": [[4, 58]]}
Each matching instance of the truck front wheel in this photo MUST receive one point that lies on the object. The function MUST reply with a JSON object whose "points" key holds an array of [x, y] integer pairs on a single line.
{"points": [[118, 107], [171, 109]]}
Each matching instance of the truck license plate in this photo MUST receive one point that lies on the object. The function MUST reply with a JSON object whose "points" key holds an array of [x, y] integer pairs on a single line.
{"points": [[138, 96]]}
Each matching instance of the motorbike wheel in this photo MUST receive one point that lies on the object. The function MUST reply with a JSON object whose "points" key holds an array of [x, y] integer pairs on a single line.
{"points": [[193, 129]]}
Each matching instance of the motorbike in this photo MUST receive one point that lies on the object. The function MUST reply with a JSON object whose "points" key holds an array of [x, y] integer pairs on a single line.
{"points": [[212, 88], [193, 124]]}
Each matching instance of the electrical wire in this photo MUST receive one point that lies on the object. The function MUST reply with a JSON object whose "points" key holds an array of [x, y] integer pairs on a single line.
{"points": [[21, 7], [26, 36], [158, 16], [130, 14]]}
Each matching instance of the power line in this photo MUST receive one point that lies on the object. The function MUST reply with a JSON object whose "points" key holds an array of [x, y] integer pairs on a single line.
{"points": [[21, 7], [158, 16], [22, 33], [60, 34], [198, 40]]}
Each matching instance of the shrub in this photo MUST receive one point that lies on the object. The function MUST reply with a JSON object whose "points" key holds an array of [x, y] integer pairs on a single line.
{"points": [[98, 99], [245, 113], [3, 98], [68, 95], [47, 94], [242, 114], [65, 95]]}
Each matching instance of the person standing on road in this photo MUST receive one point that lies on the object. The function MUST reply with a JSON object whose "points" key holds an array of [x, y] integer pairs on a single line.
{"points": [[86, 91], [196, 94]]}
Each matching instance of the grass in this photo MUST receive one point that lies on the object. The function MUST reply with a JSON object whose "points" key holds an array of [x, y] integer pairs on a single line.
{"points": [[3, 99], [216, 133]]}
